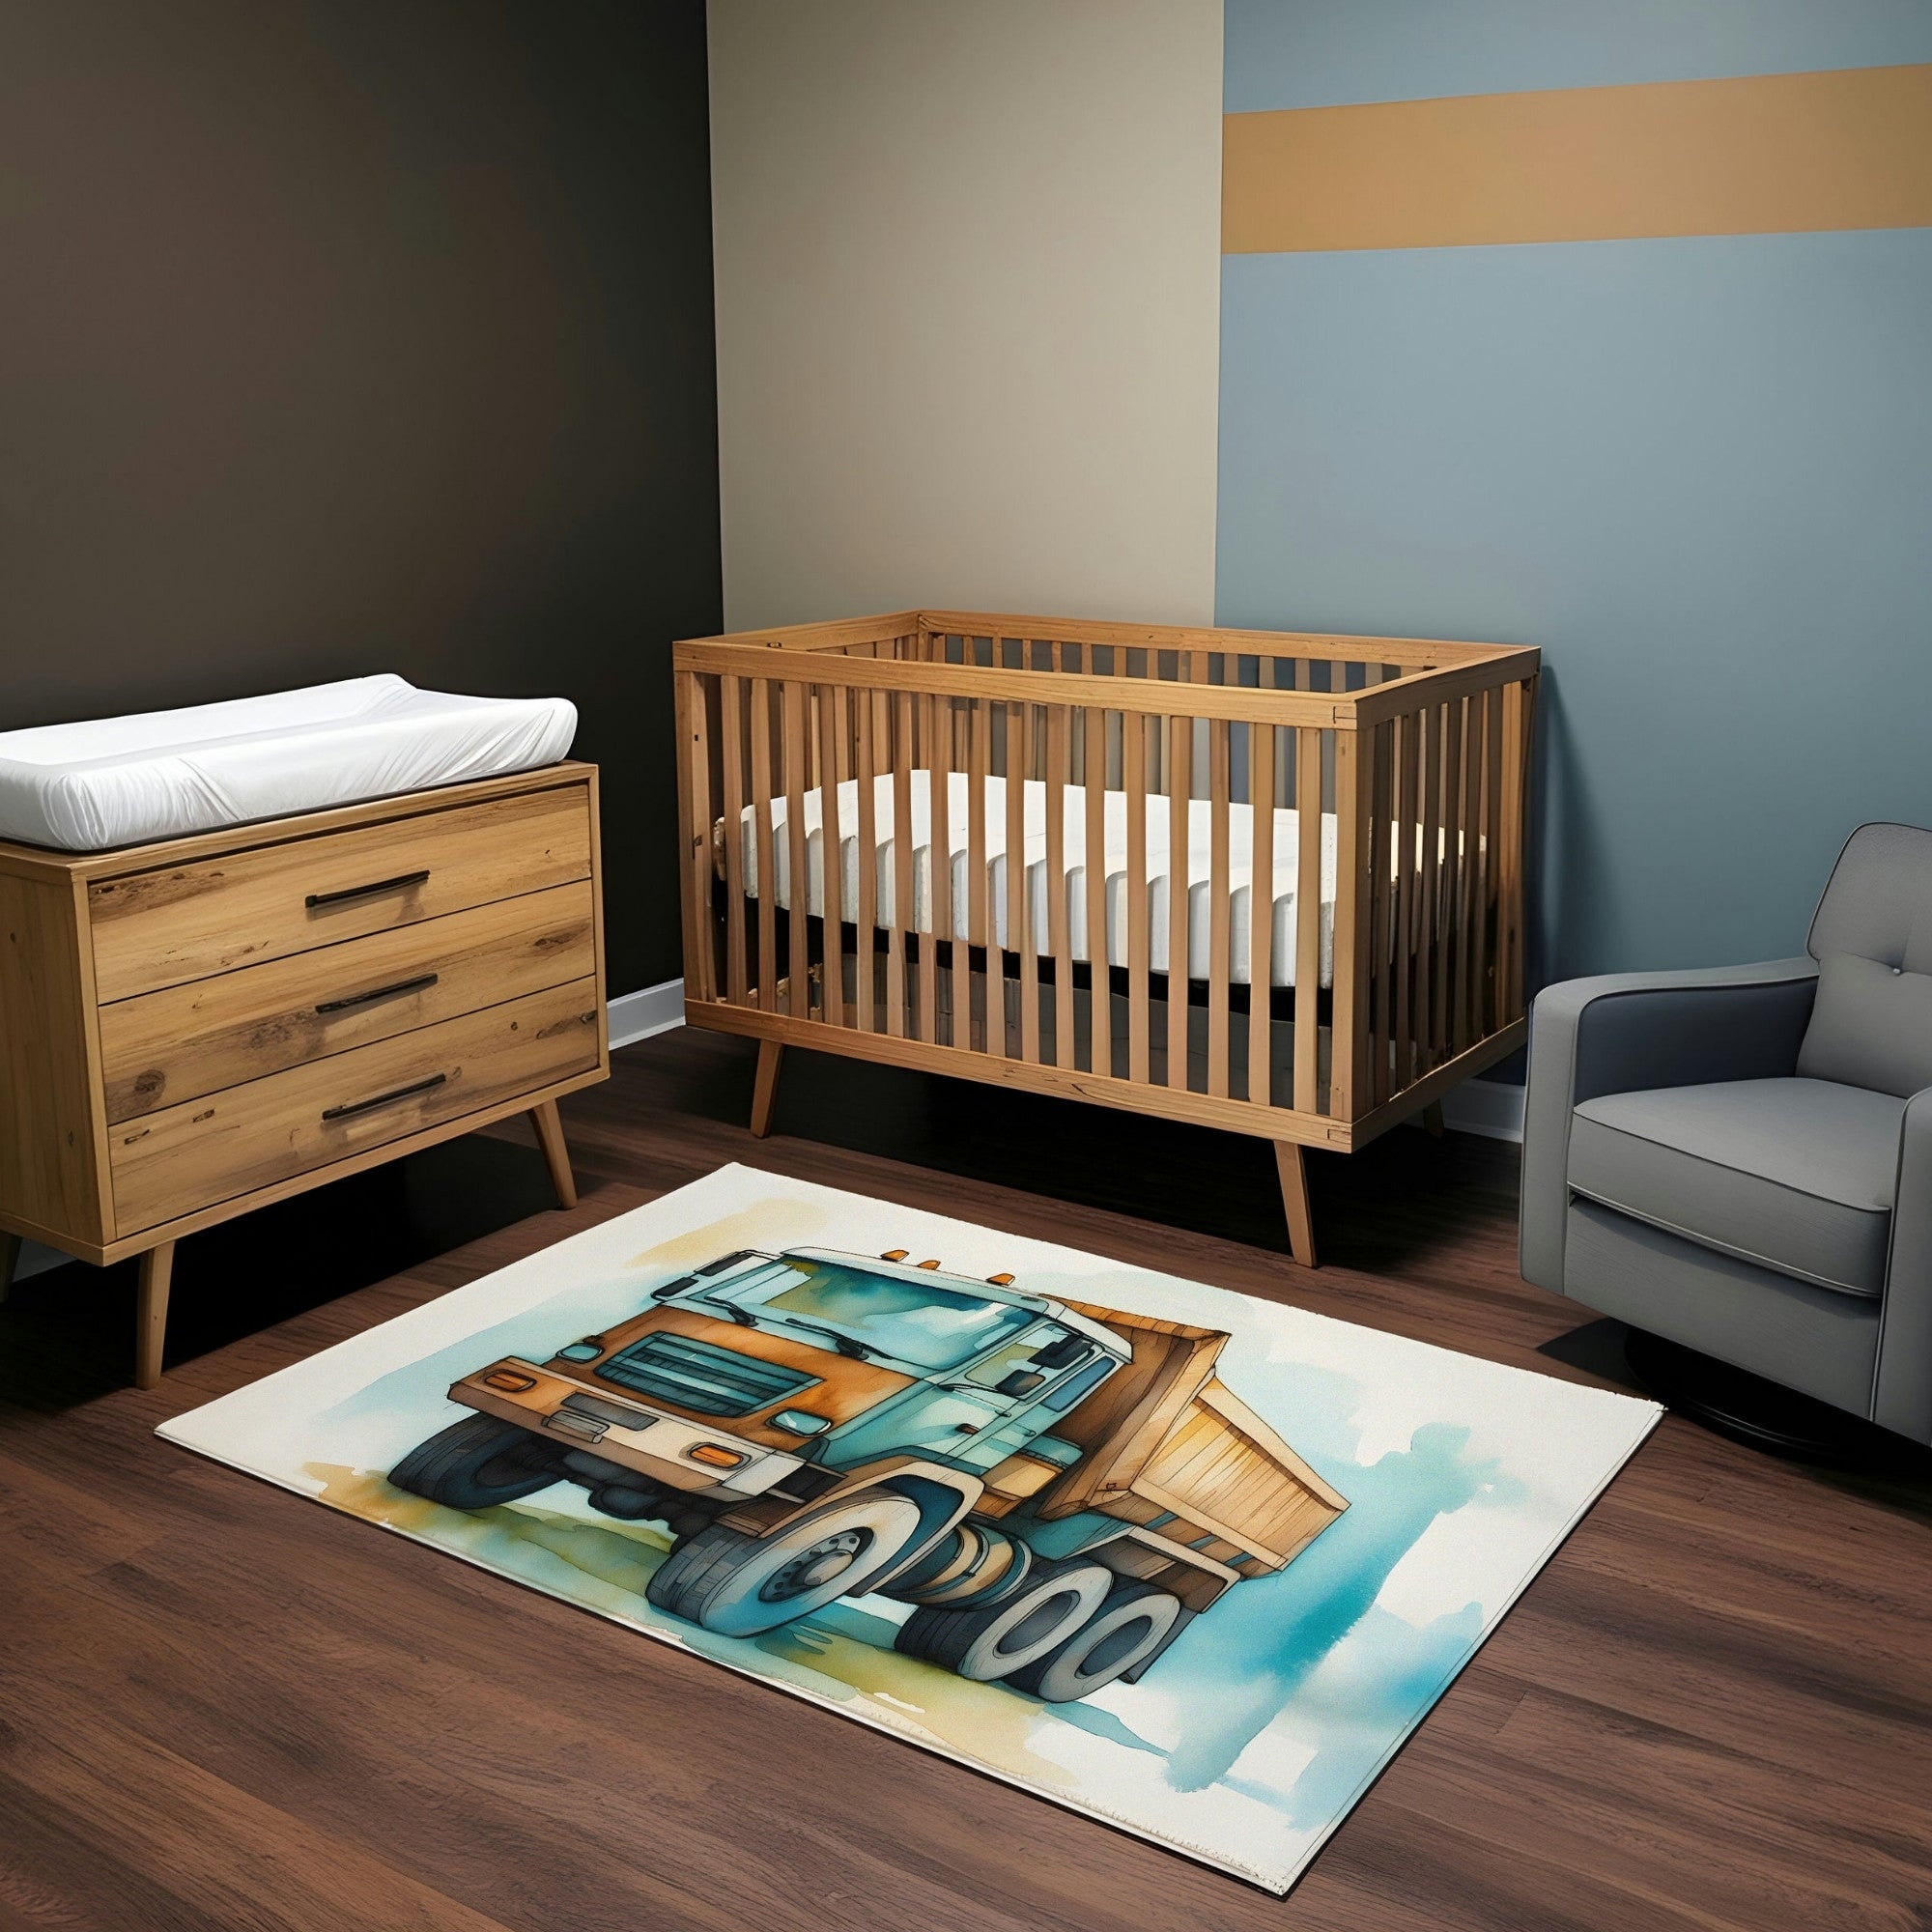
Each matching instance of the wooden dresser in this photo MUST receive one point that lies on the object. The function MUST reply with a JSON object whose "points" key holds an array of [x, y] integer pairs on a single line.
{"points": [[195, 1028]]}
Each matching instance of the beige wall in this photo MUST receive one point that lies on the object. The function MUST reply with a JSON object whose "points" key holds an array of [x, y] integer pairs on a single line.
{"points": [[968, 302]]}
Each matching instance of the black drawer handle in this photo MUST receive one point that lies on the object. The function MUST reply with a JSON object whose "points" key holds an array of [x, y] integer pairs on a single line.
{"points": [[395, 885], [383, 1100], [342, 1006]]}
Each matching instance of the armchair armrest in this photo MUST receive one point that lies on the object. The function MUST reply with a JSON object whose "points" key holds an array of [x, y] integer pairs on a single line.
{"points": [[1902, 1396], [1621, 1033]]}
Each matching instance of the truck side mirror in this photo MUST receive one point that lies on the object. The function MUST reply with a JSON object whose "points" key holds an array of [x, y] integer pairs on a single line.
{"points": [[1022, 1381]]}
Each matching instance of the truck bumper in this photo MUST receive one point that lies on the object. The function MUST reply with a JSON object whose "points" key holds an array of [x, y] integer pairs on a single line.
{"points": [[651, 1443]]}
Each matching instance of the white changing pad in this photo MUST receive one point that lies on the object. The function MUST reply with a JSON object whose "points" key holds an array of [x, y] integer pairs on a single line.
{"points": [[160, 774], [1286, 837]]}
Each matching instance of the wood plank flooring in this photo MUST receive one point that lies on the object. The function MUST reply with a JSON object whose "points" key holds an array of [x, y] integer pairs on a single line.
{"points": [[222, 1707]]}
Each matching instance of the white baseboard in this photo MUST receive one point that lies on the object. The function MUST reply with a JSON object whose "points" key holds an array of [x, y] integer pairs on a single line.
{"points": [[1487, 1107], [1492, 1108], [635, 1017]]}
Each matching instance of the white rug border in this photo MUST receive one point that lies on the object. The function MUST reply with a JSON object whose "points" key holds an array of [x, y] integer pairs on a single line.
{"points": [[1275, 1879]]}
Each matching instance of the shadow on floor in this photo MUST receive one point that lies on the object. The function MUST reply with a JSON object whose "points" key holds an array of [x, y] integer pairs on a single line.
{"points": [[75, 1325], [1394, 1202]]}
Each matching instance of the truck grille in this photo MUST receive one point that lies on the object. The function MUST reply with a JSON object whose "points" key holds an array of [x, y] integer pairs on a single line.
{"points": [[694, 1374]]}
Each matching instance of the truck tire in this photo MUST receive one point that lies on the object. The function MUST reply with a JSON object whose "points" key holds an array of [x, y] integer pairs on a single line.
{"points": [[739, 1585], [986, 1645], [1129, 1626], [476, 1462]]}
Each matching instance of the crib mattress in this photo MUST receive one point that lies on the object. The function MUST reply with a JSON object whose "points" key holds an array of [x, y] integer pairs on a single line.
{"points": [[1162, 893], [160, 774]]}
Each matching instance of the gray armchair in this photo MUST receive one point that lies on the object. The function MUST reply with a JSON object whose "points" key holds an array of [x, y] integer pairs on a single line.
{"points": [[1739, 1159]]}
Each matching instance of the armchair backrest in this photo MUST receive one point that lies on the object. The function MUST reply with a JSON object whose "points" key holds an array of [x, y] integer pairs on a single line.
{"points": [[1872, 939]]}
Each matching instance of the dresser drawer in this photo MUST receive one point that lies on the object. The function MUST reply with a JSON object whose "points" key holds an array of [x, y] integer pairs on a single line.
{"points": [[178, 1043], [176, 924], [203, 1151]]}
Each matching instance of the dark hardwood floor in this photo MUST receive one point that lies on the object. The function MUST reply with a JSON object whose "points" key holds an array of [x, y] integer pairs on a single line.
{"points": [[222, 1707]]}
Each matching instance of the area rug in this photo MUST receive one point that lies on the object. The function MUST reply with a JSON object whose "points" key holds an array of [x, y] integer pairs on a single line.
{"points": [[1185, 1560]]}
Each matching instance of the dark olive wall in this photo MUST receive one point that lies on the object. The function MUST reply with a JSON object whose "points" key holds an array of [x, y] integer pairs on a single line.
{"points": [[363, 335]]}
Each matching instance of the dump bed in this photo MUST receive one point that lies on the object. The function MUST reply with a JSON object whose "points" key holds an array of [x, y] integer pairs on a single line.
{"points": [[1167, 1443]]}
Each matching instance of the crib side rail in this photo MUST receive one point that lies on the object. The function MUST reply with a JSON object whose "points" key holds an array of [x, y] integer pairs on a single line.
{"points": [[1433, 815], [1201, 995]]}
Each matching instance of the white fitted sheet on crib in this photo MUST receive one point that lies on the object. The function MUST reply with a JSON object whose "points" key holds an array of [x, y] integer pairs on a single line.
{"points": [[1160, 886], [160, 773]]}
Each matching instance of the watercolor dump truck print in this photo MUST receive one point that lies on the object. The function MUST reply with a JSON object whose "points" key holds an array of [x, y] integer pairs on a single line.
{"points": [[1055, 1487]]}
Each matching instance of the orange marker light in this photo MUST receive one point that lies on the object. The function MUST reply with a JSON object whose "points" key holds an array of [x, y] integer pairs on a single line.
{"points": [[999, 1281], [509, 1381], [928, 1264], [718, 1456], [894, 1255]]}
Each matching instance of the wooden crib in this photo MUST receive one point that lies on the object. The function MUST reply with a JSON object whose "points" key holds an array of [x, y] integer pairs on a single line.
{"points": [[1202, 775]]}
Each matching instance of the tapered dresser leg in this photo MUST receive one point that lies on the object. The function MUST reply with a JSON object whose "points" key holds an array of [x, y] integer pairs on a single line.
{"points": [[10, 1259], [1431, 1120], [1288, 1158], [556, 1155], [765, 1086], [150, 1314]]}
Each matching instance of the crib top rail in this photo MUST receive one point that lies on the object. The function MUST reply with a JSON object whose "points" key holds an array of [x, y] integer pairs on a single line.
{"points": [[906, 650]]}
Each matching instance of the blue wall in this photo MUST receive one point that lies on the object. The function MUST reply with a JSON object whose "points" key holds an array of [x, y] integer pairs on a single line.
{"points": [[1697, 471]]}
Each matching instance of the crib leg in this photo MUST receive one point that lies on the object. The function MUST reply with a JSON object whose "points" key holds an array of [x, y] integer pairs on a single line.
{"points": [[1431, 1120], [765, 1086], [1288, 1158]]}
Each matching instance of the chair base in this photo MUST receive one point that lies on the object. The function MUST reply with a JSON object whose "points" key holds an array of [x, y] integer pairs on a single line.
{"points": [[1761, 1414]]}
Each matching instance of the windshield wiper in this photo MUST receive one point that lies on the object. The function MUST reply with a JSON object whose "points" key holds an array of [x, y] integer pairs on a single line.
{"points": [[741, 1316], [845, 1344]]}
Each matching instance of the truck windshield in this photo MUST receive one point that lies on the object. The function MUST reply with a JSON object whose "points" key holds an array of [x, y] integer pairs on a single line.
{"points": [[932, 1326]]}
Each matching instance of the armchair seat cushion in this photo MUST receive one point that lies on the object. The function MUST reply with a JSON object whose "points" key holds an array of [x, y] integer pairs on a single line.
{"points": [[1795, 1175]]}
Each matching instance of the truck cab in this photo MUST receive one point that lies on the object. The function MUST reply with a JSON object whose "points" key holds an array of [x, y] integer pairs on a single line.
{"points": [[741, 1374], [966, 1371]]}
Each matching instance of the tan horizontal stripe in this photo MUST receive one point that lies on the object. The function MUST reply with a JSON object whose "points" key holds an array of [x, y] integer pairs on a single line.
{"points": [[1771, 153]]}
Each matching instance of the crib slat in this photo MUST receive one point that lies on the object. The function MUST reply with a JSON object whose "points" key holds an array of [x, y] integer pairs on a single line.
{"points": [[799, 880], [1428, 888], [1135, 781], [1058, 922], [1347, 1060], [1308, 921], [761, 820], [865, 917], [1181, 786], [1260, 910], [979, 873], [1464, 721], [898, 941], [831, 856], [1407, 732], [1489, 976], [1379, 748], [1220, 920], [1448, 984], [1519, 712], [939, 872], [731, 704], [1099, 1003], [1019, 938], [693, 826]]}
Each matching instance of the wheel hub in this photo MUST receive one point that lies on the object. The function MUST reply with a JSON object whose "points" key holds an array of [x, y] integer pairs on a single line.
{"points": [[816, 1565]]}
